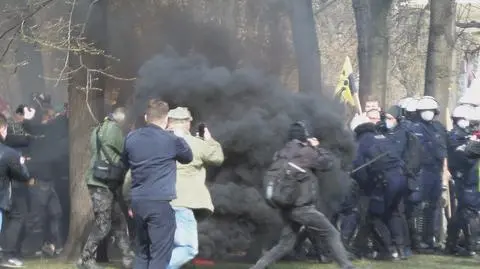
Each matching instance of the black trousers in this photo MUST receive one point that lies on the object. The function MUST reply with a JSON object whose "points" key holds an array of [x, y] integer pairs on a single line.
{"points": [[46, 213], [15, 221], [315, 221]]}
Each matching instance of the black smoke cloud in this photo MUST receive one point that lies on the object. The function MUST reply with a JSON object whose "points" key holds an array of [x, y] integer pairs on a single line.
{"points": [[249, 113]]}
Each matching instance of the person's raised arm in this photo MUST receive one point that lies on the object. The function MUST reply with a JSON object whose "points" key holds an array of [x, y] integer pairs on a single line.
{"points": [[321, 159], [212, 152]]}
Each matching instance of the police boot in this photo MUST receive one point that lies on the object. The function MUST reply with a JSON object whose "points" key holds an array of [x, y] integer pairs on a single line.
{"points": [[416, 226], [451, 247], [470, 241], [427, 247]]}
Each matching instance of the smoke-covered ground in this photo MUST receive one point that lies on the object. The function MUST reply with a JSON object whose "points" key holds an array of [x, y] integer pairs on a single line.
{"points": [[249, 113]]}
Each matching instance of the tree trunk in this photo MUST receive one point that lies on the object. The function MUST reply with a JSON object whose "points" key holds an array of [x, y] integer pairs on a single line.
{"points": [[82, 121], [306, 45], [441, 42], [373, 46]]}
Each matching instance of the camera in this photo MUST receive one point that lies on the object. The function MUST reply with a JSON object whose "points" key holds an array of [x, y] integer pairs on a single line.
{"points": [[201, 130]]}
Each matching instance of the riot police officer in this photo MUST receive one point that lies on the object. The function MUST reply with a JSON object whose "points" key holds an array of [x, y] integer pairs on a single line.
{"points": [[410, 113], [380, 174], [407, 146], [433, 137], [460, 166]]}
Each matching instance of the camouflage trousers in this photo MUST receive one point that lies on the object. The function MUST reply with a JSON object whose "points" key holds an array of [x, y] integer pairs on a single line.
{"points": [[108, 218]]}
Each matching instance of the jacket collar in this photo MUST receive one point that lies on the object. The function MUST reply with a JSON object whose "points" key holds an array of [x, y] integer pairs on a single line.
{"points": [[365, 128]]}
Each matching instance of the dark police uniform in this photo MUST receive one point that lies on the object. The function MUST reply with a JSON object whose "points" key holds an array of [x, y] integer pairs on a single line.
{"points": [[384, 182], [433, 138], [408, 147], [464, 173]]}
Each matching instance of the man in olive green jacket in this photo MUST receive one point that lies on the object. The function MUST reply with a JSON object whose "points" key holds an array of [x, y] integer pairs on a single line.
{"points": [[193, 198], [105, 205]]}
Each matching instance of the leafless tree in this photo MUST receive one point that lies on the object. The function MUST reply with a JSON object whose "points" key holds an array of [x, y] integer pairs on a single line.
{"points": [[441, 44]]}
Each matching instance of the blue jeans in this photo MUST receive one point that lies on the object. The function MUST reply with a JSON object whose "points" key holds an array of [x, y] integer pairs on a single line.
{"points": [[186, 238]]}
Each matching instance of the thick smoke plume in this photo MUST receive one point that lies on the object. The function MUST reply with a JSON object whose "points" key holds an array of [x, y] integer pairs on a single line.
{"points": [[249, 113]]}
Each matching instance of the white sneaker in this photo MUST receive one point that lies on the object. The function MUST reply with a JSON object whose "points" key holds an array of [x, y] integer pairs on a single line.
{"points": [[12, 263]]}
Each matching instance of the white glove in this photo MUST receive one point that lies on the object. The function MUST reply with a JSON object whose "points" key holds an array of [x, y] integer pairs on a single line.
{"points": [[28, 113]]}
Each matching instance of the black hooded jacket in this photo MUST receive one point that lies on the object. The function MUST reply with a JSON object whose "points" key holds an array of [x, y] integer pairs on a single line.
{"points": [[49, 149], [10, 170]]}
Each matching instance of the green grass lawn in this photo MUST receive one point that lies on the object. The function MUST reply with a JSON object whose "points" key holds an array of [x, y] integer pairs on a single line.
{"points": [[418, 262]]}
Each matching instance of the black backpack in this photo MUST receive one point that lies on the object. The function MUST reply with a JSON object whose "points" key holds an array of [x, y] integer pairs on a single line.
{"points": [[283, 177]]}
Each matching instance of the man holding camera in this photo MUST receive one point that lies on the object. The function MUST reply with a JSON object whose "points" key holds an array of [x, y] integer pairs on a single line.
{"points": [[104, 180], [193, 198]]}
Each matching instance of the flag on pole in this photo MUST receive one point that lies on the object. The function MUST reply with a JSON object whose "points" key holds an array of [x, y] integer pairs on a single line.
{"points": [[346, 87]]}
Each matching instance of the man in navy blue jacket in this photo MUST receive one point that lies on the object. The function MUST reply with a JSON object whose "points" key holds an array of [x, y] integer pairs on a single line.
{"points": [[151, 152]]}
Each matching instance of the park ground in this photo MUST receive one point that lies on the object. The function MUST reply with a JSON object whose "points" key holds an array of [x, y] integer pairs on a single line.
{"points": [[418, 262]]}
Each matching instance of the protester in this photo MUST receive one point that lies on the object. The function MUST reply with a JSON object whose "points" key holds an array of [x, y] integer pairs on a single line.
{"points": [[12, 203], [294, 167], [372, 103], [151, 153], [193, 198], [104, 180]]}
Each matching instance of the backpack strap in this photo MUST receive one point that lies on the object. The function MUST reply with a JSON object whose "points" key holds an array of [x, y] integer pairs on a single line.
{"points": [[101, 148]]}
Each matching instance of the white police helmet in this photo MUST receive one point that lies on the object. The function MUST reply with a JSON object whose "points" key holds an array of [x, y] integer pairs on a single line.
{"points": [[475, 116], [427, 103], [463, 111], [358, 120], [411, 106], [469, 99], [404, 102]]}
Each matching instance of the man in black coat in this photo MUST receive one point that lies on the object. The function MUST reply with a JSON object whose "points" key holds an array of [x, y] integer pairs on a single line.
{"points": [[12, 168]]}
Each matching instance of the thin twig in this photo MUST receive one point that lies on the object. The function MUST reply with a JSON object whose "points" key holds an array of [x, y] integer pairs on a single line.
{"points": [[110, 75], [69, 36], [324, 7], [40, 7], [7, 48], [87, 90]]}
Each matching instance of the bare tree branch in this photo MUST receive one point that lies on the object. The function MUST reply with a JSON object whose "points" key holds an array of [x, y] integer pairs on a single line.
{"points": [[16, 25], [471, 24], [8, 46], [69, 38], [324, 6]]}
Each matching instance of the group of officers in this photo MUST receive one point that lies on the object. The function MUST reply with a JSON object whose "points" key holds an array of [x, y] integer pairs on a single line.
{"points": [[406, 163]]}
